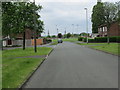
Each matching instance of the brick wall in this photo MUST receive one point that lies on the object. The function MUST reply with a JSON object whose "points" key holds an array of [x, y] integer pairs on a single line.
{"points": [[114, 30]]}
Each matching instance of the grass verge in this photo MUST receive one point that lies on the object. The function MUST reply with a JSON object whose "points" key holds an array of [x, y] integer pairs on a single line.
{"points": [[16, 70], [109, 48], [54, 42], [71, 39]]}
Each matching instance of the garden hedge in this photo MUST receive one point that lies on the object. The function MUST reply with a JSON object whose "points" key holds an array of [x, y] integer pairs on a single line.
{"points": [[101, 39]]}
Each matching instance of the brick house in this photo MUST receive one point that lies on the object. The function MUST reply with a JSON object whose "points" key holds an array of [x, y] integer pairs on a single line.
{"points": [[19, 39], [113, 31], [28, 34]]}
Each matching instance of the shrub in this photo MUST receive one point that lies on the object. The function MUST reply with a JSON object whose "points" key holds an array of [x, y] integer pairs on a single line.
{"points": [[80, 38], [91, 40], [49, 40], [101, 39], [84, 39], [114, 39]]}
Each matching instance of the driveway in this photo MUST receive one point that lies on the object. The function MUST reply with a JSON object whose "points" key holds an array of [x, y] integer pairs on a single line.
{"points": [[73, 66]]}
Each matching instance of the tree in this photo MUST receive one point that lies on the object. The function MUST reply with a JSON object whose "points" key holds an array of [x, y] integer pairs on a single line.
{"points": [[68, 35], [97, 16], [118, 11], [110, 15], [59, 35], [17, 16], [53, 36]]}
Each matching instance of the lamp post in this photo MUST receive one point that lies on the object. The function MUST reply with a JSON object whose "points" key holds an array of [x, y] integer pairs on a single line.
{"points": [[35, 45], [77, 28], [87, 22]]}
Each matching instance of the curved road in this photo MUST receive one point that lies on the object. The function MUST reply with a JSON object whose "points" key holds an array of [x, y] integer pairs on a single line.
{"points": [[74, 66]]}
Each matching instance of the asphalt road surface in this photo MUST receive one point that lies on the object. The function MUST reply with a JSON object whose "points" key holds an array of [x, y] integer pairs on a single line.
{"points": [[74, 66]]}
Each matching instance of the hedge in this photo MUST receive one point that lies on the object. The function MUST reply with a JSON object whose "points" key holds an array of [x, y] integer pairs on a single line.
{"points": [[101, 39], [111, 39], [80, 38]]}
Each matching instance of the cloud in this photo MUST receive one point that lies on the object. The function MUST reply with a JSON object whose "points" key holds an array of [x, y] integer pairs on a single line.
{"points": [[64, 13]]}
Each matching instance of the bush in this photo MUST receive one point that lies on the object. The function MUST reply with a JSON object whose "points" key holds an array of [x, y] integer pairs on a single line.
{"points": [[91, 40], [111, 39], [80, 38], [45, 40], [101, 39], [49, 40], [84, 39], [115, 39]]}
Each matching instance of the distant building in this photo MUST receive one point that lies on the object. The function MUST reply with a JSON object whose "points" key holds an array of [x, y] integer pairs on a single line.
{"points": [[114, 30]]}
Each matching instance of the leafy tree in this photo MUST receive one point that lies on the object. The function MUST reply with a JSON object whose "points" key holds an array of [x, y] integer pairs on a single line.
{"points": [[97, 16], [68, 35], [110, 15], [118, 11], [17, 16], [59, 35], [53, 36]]}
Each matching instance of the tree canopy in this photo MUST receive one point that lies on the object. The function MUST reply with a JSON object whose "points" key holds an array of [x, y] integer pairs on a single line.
{"points": [[97, 16], [17, 16], [105, 13]]}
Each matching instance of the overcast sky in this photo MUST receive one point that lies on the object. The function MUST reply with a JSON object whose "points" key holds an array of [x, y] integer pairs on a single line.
{"points": [[62, 14]]}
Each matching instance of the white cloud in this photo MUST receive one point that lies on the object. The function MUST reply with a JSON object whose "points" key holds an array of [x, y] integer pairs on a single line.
{"points": [[64, 13]]}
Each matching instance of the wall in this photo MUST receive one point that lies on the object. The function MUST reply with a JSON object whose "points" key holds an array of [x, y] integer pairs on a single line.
{"points": [[39, 41], [114, 30], [28, 42]]}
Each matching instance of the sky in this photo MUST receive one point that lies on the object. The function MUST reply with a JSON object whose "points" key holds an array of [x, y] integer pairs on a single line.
{"points": [[66, 15]]}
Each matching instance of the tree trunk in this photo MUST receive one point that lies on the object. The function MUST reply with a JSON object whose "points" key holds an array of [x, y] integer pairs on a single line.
{"points": [[108, 39], [1, 44], [35, 43], [24, 40]]}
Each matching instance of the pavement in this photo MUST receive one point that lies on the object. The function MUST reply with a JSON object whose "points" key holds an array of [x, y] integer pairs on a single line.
{"points": [[73, 66], [45, 45]]}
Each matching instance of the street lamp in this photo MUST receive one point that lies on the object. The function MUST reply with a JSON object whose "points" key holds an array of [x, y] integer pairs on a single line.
{"points": [[57, 29], [77, 28], [87, 22]]}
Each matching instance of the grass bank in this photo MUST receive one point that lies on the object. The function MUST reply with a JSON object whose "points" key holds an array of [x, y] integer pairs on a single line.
{"points": [[15, 70], [110, 48]]}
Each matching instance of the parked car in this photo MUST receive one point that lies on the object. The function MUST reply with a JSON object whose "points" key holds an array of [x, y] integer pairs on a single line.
{"points": [[60, 41]]}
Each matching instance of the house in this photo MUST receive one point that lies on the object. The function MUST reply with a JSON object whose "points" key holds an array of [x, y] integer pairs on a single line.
{"points": [[114, 30], [29, 35], [94, 35]]}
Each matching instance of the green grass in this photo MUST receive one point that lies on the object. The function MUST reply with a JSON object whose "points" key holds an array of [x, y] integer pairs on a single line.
{"points": [[54, 42], [16, 70], [110, 48], [92, 43], [71, 39]]}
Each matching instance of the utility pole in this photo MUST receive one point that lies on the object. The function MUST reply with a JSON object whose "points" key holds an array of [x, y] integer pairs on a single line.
{"points": [[87, 23], [35, 45]]}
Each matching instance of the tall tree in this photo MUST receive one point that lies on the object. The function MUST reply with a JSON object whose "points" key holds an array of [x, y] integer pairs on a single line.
{"points": [[110, 15], [118, 9], [17, 16], [97, 16]]}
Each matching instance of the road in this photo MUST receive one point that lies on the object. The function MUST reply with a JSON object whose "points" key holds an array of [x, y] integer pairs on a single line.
{"points": [[74, 66]]}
